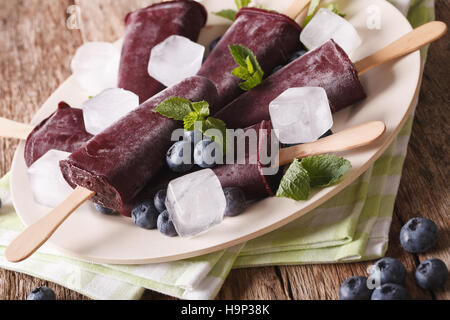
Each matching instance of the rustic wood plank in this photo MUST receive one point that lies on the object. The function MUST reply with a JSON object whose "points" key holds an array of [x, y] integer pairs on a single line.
{"points": [[103, 20]]}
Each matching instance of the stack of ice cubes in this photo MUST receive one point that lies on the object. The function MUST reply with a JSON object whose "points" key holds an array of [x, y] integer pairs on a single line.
{"points": [[326, 25], [195, 202], [301, 115]]}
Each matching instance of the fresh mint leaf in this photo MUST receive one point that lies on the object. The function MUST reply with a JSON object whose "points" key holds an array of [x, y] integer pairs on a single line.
{"points": [[252, 82], [249, 68], [213, 123], [295, 183], [229, 14], [311, 11], [241, 72], [325, 170], [242, 3], [201, 107], [175, 108], [189, 120]]}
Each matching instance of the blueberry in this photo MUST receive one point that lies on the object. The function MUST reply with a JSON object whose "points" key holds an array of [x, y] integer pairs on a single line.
{"points": [[175, 158], [205, 153], [296, 55], [388, 270], [214, 44], [160, 200], [42, 293], [355, 288], [192, 136], [145, 215], [104, 210], [431, 274], [390, 291], [276, 69], [418, 235], [235, 201], [165, 225]]}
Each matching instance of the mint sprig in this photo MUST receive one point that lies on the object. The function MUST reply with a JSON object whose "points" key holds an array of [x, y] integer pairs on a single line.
{"points": [[295, 183], [249, 68], [311, 172], [230, 14], [190, 113]]}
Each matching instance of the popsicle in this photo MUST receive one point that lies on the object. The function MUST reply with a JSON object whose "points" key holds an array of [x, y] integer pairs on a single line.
{"points": [[328, 66], [63, 130], [252, 177], [118, 162], [272, 37], [147, 27], [247, 176]]}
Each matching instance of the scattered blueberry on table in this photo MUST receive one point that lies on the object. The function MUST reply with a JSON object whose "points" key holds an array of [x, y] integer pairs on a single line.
{"points": [[175, 157], [431, 274], [390, 291], [165, 225], [355, 288], [42, 293], [236, 201], [388, 270], [205, 153], [104, 210], [418, 235], [160, 200], [145, 215], [214, 44]]}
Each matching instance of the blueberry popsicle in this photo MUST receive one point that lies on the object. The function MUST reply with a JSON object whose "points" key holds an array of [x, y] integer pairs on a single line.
{"points": [[272, 37], [146, 28], [118, 162], [328, 66], [64, 131], [248, 176]]}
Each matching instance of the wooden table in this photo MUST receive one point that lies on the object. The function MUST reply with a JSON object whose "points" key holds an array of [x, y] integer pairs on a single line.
{"points": [[35, 58]]}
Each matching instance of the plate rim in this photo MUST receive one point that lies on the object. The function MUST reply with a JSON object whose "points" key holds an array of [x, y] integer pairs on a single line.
{"points": [[348, 179]]}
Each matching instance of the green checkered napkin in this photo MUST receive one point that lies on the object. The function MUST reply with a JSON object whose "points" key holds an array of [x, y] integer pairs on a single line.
{"points": [[352, 226]]}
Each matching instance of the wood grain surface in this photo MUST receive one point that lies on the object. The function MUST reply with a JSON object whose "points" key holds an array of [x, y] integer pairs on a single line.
{"points": [[35, 58]]}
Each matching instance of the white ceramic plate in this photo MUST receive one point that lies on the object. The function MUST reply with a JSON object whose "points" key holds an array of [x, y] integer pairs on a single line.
{"points": [[391, 89]]}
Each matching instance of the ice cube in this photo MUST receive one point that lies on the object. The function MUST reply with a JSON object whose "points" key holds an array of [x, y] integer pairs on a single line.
{"points": [[326, 25], [46, 180], [175, 59], [195, 202], [95, 66], [301, 115], [104, 109]]}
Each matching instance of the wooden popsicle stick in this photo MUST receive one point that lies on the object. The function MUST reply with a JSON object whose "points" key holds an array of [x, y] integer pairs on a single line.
{"points": [[407, 44], [347, 139], [13, 129], [33, 237], [296, 8]]}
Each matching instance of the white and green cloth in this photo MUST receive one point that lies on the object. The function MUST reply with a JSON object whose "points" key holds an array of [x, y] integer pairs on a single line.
{"points": [[352, 226]]}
